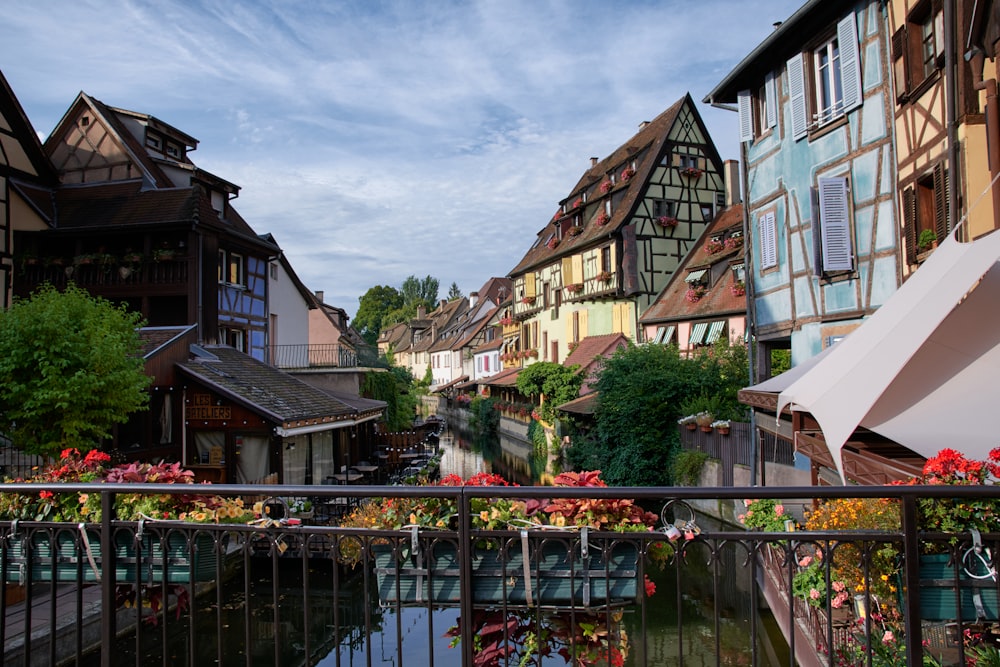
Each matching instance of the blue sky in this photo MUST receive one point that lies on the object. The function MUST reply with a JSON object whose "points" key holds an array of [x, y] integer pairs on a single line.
{"points": [[378, 140]]}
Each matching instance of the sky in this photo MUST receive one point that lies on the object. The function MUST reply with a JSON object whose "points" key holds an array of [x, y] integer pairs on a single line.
{"points": [[379, 140]]}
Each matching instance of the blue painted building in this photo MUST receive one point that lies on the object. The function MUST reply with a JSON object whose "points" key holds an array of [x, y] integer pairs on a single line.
{"points": [[815, 109]]}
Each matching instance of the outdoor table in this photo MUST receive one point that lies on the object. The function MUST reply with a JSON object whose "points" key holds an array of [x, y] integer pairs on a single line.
{"points": [[348, 477]]}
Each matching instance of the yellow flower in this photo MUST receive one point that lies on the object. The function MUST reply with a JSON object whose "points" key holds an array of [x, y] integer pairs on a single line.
{"points": [[485, 516], [558, 520]]}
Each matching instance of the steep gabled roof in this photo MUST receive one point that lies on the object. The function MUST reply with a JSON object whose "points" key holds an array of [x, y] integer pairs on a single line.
{"points": [[646, 148], [590, 353], [22, 153], [672, 303], [505, 378]]}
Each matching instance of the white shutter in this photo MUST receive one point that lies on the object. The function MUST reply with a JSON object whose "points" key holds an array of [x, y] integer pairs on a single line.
{"points": [[797, 96], [850, 61], [835, 224], [744, 102], [771, 103], [768, 240]]}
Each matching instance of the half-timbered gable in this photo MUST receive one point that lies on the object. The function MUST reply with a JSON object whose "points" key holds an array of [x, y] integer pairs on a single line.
{"points": [[815, 101], [137, 222], [617, 238]]}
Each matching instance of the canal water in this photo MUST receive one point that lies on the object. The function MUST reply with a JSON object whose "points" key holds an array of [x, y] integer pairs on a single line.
{"points": [[408, 636]]}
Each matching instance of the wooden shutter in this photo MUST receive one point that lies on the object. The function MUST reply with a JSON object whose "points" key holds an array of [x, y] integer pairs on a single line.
{"points": [[744, 103], [797, 97], [910, 224], [768, 240], [567, 271], [576, 261], [582, 332], [899, 70], [850, 62], [834, 213], [771, 103], [616, 319], [529, 284], [942, 222]]}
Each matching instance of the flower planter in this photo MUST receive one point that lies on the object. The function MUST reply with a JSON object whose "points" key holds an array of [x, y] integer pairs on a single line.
{"points": [[170, 559], [557, 576], [939, 599], [706, 429]]}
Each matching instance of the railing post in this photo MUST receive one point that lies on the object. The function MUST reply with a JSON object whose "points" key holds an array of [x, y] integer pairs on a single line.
{"points": [[465, 578], [911, 578], [109, 630]]}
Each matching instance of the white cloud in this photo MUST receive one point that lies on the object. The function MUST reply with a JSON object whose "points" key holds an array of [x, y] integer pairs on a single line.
{"points": [[380, 140]]}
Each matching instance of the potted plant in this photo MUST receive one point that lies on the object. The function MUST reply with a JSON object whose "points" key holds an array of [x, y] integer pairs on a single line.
{"points": [[738, 288], [695, 293], [603, 276], [627, 173], [603, 218], [688, 422], [528, 300], [714, 246], [606, 186], [666, 221], [132, 257], [704, 421], [722, 426], [553, 243], [164, 254], [574, 288], [83, 259], [690, 172], [927, 240], [575, 231]]}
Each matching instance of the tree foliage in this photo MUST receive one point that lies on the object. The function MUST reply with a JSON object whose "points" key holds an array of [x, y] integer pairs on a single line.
{"points": [[417, 292], [555, 382], [454, 292], [393, 387], [70, 368], [641, 394], [373, 306]]}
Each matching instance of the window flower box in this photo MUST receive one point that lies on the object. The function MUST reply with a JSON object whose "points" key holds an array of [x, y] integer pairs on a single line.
{"points": [[528, 300], [553, 243], [695, 293], [690, 172], [575, 231], [604, 277], [666, 221], [603, 218], [733, 242], [714, 247], [578, 202], [738, 288], [606, 186], [574, 288], [627, 173]]}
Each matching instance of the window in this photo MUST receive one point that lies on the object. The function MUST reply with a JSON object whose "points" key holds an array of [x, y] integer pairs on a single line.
{"points": [[235, 338], [173, 150], [153, 142], [606, 259], [767, 230], [834, 236], [222, 266], [662, 207], [664, 335], [918, 48], [707, 212], [834, 80], [757, 119], [235, 273], [925, 207]]}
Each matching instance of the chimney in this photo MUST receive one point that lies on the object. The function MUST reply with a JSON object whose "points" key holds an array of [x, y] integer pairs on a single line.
{"points": [[444, 302], [319, 295], [421, 312], [731, 175], [593, 161], [643, 124], [473, 299]]}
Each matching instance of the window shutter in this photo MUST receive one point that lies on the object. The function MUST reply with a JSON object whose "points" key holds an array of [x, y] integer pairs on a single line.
{"points": [[835, 224], [910, 224], [567, 271], [899, 62], [797, 97], [616, 319], [942, 224], [817, 240], [529, 284], [577, 263], [771, 103], [582, 329], [768, 240], [744, 103], [850, 62]]}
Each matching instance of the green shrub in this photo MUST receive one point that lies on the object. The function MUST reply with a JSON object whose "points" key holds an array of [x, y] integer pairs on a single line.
{"points": [[687, 467]]}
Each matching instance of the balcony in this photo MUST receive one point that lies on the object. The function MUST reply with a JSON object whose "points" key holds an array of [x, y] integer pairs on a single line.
{"points": [[117, 276], [294, 357], [210, 593]]}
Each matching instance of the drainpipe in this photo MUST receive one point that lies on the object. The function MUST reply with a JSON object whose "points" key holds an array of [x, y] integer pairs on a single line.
{"points": [[977, 59], [951, 104]]}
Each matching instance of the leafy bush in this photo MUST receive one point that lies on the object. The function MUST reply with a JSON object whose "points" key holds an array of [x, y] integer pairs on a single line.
{"points": [[687, 466]]}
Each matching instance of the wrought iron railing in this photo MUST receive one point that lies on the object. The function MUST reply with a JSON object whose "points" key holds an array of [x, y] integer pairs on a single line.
{"points": [[288, 592]]}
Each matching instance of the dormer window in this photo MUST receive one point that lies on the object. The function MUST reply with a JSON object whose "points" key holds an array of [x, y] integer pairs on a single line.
{"points": [[173, 151], [697, 277], [154, 142]]}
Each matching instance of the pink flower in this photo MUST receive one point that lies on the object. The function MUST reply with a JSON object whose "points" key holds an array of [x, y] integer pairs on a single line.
{"points": [[806, 560], [888, 637], [838, 585], [779, 510], [814, 594]]}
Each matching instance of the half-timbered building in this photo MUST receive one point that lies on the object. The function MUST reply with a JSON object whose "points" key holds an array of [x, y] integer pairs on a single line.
{"points": [[617, 238]]}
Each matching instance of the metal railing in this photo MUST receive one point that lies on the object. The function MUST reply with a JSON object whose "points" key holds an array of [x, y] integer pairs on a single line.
{"points": [[171, 592], [329, 355]]}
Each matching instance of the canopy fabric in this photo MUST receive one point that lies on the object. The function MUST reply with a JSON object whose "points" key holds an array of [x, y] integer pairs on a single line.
{"points": [[695, 276], [714, 331], [697, 333], [922, 370], [664, 334]]}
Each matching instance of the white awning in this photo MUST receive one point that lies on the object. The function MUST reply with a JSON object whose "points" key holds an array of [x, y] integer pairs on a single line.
{"points": [[697, 333], [921, 371], [714, 331], [664, 334], [695, 276]]}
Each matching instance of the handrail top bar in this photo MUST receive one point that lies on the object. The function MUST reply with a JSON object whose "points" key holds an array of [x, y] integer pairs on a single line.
{"points": [[644, 492]]}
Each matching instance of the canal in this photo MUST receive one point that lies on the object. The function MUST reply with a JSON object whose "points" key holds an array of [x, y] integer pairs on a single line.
{"points": [[337, 620]]}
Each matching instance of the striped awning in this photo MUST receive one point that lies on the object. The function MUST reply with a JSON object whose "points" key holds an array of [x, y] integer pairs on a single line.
{"points": [[695, 276], [664, 334], [698, 333], [714, 331]]}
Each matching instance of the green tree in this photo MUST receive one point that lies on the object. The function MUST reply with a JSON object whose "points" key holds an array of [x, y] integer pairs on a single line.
{"points": [[373, 306], [417, 292], [555, 382], [70, 368], [454, 292], [641, 391]]}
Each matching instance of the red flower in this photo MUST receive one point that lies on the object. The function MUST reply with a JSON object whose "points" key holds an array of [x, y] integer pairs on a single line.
{"points": [[45, 495], [650, 587]]}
